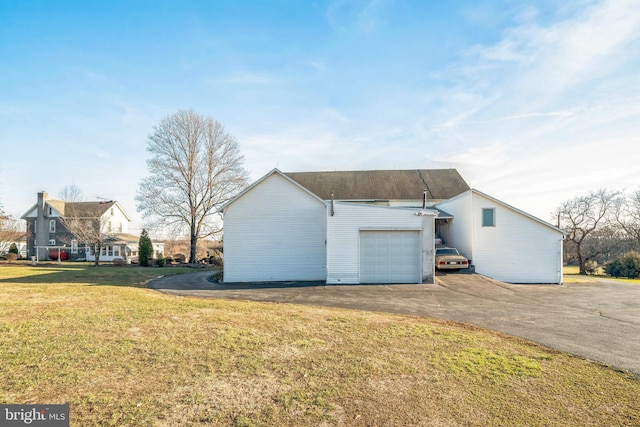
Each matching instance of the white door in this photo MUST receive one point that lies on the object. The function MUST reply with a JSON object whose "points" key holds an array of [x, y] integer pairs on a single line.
{"points": [[390, 256]]}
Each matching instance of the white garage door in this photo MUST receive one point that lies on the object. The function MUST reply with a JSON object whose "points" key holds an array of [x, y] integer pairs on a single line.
{"points": [[390, 257]]}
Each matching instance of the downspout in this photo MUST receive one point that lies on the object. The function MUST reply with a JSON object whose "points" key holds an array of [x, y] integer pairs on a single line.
{"points": [[473, 224], [561, 260], [332, 208]]}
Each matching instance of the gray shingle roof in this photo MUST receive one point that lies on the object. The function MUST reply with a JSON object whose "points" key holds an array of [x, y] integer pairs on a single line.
{"points": [[77, 209], [440, 184], [84, 209]]}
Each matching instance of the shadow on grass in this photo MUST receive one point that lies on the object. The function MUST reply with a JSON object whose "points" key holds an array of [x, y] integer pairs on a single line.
{"points": [[205, 280], [103, 275]]}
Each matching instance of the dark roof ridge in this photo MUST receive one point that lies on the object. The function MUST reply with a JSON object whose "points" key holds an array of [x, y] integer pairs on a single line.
{"points": [[371, 170], [391, 184]]}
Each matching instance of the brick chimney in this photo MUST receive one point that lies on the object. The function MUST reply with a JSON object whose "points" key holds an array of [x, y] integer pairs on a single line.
{"points": [[42, 229], [42, 198]]}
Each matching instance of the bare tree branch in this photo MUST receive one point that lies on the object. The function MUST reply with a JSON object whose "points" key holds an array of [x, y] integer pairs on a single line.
{"points": [[583, 218], [89, 228], [11, 230], [628, 215], [195, 168], [71, 193]]}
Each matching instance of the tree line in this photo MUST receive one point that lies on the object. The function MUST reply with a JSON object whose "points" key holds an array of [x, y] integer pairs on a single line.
{"points": [[601, 226]]}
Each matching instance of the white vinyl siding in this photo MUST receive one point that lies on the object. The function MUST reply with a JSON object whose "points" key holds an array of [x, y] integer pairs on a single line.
{"points": [[275, 231], [351, 219], [459, 230], [390, 256], [520, 249], [115, 220]]}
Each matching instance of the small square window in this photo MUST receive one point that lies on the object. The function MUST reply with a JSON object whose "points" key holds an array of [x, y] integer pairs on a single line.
{"points": [[488, 217]]}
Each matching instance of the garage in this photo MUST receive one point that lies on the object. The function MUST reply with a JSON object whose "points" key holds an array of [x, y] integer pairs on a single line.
{"points": [[390, 256]]}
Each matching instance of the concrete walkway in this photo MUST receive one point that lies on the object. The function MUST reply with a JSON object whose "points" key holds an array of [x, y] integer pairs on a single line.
{"points": [[597, 320]]}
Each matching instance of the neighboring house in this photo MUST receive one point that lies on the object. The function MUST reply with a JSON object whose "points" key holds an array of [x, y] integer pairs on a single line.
{"points": [[47, 231], [20, 244], [379, 227], [132, 242], [12, 233]]}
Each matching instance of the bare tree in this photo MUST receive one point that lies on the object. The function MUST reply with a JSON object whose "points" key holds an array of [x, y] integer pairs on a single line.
{"points": [[11, 230], [195, 168], [89, 228], [583, 218], [628, 216], [71, 193]]}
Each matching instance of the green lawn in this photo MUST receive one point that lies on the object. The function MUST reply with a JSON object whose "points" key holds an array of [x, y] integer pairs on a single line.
{"points": [[574, 270], [124, 355]]}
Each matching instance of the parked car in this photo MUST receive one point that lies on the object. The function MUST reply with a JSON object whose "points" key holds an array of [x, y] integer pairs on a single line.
{"points": [[450, 259]]}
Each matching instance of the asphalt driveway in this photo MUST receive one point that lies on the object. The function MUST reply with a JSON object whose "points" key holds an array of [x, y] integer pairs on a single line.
{"points": [[597, 320]]}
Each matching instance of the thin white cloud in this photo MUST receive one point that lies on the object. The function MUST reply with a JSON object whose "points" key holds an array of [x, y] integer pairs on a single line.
{"points": [[243, 78], [495, 155], [549, 111], [317, 65], [11, 111], [534, 72], [572, 53], [364, 16]]}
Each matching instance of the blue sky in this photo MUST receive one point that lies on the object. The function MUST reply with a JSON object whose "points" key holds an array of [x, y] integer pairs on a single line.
{"points": [[533, 102]]}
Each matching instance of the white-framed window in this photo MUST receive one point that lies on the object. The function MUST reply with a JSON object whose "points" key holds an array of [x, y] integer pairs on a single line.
{"points": [[52, 226], [488, 217], [74, 246], [116, 251]]}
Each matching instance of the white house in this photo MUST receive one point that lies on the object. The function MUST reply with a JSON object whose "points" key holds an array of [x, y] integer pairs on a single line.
{"points": [[379, 227], [503, 242], [275, 231], [379, 244]]}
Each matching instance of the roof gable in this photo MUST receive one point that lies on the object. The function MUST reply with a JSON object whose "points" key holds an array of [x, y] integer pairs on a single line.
{"points": [[473, 191], [77, 209], [440, 184], [31, 213], [258, 182], [86, 209]]}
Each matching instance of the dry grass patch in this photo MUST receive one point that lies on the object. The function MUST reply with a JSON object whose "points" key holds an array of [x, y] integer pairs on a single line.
{"points": [[123, 355]]}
